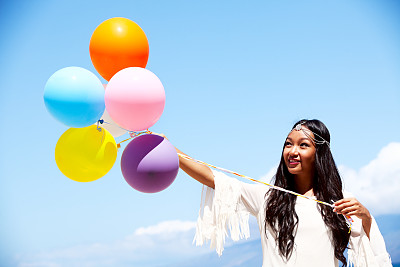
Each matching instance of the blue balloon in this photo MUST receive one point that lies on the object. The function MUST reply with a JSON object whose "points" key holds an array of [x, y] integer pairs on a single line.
{"points": [[74, 96]]}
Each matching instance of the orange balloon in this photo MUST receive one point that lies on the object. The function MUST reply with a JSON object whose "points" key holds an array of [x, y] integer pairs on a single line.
{"points": [[116, 44]]}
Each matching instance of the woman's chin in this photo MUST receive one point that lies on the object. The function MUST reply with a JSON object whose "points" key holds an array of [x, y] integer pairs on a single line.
{"points": [[294, 171]]}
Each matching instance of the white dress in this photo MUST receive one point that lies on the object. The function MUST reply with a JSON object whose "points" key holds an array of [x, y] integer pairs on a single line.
{"points": [[226, 210]]}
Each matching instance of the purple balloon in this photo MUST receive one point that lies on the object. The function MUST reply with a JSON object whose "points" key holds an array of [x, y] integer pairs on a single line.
{"points": [[149, 163]]}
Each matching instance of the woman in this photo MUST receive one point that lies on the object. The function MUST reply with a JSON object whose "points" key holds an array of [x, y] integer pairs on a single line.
{"points": [[294, 231]]}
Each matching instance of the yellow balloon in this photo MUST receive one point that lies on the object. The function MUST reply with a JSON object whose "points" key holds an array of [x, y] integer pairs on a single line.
{"points": [[86, 154]]}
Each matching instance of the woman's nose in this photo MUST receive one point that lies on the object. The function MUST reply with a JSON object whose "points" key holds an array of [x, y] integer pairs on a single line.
{"points": [[294, 151]]}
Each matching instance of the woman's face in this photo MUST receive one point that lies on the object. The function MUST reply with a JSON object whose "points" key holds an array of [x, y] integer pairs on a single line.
{"points": [[299, 152]]}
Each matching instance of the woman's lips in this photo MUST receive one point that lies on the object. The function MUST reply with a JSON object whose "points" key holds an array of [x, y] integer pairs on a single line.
{"points": [[293, 162]]}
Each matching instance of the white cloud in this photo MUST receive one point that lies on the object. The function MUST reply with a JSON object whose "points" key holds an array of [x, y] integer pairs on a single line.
{"points": [[166, 227], [377, 184], [164, 243]]}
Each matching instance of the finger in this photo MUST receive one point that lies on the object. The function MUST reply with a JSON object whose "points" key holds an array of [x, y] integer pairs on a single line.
{"points": [[342, 208], [353, 213], [343, 200], [345, 205], [346, 211], [348, 200]]}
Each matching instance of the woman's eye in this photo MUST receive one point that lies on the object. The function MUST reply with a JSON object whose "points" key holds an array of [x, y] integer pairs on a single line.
{"points": [[287, 143], [304, 145]]}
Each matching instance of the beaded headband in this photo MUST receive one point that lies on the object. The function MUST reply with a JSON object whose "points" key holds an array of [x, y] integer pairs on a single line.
{"points": [[299, 127]]}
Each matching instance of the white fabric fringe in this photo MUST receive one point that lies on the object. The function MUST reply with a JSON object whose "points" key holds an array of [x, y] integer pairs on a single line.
{"points": [[364, 251], [221, 210]]}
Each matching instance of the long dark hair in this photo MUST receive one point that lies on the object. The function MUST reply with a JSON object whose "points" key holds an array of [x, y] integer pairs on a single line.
{"points": [[280, 213]]}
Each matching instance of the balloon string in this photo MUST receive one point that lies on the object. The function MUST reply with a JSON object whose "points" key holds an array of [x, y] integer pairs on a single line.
{"points": [[103, 121], [133, 135], [97, 125], [348, 218]]}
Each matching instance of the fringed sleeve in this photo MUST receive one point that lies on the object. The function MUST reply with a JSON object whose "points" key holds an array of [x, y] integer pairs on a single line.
{"points": [[221, 210], [364, 251]]}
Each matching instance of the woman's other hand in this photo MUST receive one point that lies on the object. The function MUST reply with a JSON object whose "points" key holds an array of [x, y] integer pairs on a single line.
{"points": [[353, 207]]}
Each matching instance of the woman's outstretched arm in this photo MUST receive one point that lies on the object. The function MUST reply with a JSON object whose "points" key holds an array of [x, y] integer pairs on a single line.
{"points": [[197, 171]]}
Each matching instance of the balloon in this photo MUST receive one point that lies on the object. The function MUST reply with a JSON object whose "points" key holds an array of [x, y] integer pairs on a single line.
{"points": [[85, 154], [149, 163], [108, 124], [135, 98], [74, 96], [116, 44]]}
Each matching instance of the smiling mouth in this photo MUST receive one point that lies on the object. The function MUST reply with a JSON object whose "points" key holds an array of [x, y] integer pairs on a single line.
{"points": [[293, 162]]}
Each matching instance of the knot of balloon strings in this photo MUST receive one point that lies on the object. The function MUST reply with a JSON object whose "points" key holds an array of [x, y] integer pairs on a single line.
{"points": [[98, 127], [133, 135]]}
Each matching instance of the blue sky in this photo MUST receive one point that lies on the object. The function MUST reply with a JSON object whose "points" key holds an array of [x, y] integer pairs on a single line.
{"points": [[236, 74]]}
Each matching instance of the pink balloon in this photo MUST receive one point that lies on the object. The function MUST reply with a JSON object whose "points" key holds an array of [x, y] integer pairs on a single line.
{"points": [[135, 98]]}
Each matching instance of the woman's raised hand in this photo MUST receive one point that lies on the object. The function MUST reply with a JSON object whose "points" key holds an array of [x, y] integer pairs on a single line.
{"points": [[350, 207], [353, 207]]}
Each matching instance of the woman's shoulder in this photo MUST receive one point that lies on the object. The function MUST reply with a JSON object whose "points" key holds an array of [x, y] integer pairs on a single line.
{"points": [[256, 188]]}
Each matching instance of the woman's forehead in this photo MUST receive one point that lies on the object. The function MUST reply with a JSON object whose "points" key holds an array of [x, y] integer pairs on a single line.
{"points": [[300, 134]]}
